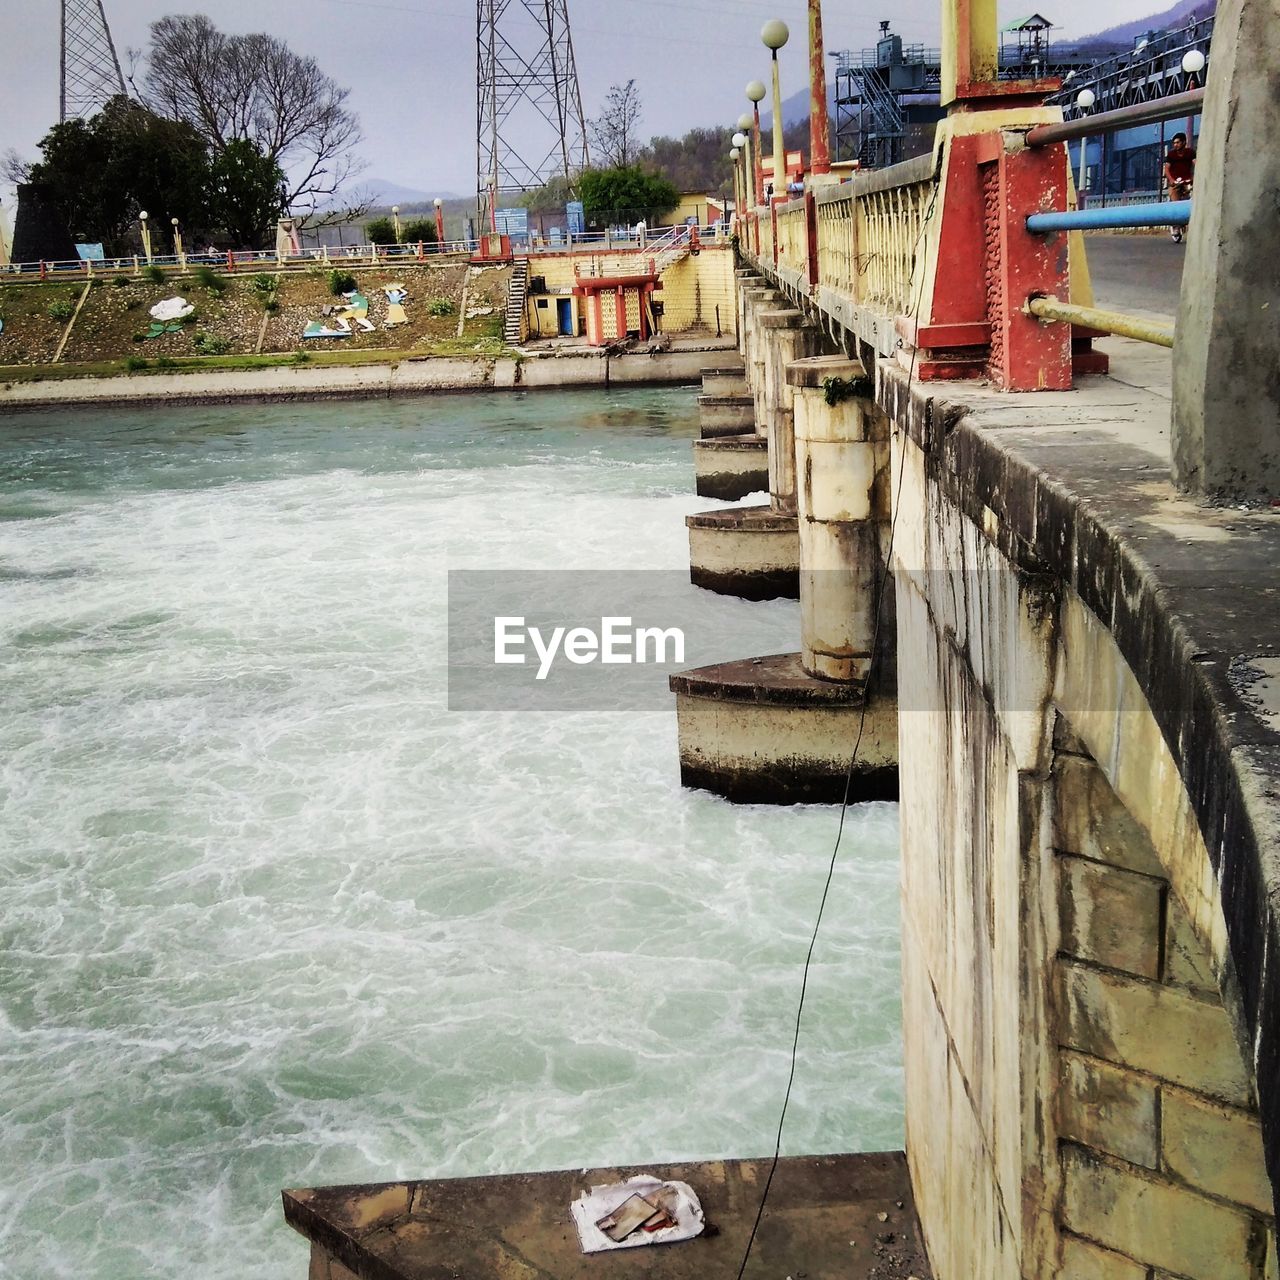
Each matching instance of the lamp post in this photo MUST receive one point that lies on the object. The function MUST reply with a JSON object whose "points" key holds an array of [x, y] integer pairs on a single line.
{"points": [[1193, 65], [439, 204], [755, 94], [395, 218], [774, 35], [1084, 100], [177, 244], [737, 179], [748, 168], [740, 141], [146, 235]]}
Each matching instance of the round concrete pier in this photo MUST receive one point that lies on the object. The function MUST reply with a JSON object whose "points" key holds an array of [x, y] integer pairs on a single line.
{"points": [[762, 731], [731, 467], [751, 552], [726, 414]]}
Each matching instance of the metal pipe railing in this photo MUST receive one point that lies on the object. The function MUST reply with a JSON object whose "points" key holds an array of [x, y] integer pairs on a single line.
{"points": [[1170, 213], [1106, 321], [1170, 108]]}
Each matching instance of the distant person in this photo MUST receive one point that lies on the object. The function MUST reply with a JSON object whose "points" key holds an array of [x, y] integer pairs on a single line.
{"points": [[1179, 173]]}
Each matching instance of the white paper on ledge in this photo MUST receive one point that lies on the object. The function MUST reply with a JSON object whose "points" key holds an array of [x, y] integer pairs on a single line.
{"points": [[593, 1205]]}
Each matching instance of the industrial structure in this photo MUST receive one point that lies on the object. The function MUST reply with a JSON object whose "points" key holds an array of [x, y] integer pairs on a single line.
{"points": [[887, 97], [1128, 162], [529, 121], [90, 73]]}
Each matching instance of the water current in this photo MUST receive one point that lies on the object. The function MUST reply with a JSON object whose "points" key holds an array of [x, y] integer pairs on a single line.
{"points": [[272, 915]]}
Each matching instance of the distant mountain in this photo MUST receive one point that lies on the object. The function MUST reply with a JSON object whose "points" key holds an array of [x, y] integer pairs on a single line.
{"points": [[1125, 33], [389, 193]]}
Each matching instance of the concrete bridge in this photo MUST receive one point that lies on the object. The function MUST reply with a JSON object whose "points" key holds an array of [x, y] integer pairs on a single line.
{"points": [[1066, 606], [1048, 622]]}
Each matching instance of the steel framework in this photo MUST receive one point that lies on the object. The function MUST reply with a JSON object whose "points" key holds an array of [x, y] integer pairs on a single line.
{"points": [[529, 121], [90, 69]]}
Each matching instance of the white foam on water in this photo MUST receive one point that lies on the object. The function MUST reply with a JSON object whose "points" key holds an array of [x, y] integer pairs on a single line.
{"points": [[273, 916]]}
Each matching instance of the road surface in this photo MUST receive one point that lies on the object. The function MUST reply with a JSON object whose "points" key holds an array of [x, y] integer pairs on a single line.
{"points": [[1135, 273]]}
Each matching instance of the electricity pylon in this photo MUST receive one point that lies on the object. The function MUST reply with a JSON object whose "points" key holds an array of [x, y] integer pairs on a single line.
{"points": [[90, 68], [529, 121]]}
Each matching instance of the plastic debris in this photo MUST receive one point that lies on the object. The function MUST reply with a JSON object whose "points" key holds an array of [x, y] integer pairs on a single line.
{"points": [[643, 1210]]}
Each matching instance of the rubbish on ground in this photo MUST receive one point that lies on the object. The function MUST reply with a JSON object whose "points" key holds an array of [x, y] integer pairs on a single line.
{"points": [[642, 1210], [171, 309]]}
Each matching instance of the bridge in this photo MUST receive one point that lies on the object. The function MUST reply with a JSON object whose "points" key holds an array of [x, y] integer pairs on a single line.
{"points": [[1037, 558]]}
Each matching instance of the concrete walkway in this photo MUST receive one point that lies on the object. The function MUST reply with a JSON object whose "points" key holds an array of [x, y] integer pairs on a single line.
{"points": [[847, 1216]]}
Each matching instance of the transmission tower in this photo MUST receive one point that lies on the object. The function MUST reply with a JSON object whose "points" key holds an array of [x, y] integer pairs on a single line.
{"points": [[529, 121], [90, 68]]}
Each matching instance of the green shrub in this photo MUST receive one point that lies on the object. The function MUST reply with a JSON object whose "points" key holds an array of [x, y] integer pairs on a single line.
{"points": [[271, 303], [210, 344], [121, 282], [380, 231], [155, 274], [441, 307], [60, 309], [139, 336], [166, 362], [301, 357], [97, 282], [192, 317], [264, 282], [418, 230], [341, 282], [134, 363], [132, 304], [208, 278]]}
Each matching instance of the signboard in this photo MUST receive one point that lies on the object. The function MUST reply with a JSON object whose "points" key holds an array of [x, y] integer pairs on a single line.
{"points": [[574, 215], [90, 252], [513, 223]]}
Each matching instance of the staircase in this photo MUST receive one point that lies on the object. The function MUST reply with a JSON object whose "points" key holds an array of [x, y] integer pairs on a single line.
{"points": [[653, 259], [517, 292]]}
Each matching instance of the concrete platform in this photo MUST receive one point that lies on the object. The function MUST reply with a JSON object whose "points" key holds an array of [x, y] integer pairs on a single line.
{"points": [[726, 379], [751, 552], [847, 1216], [764, 731], [726, 415], [731, 467]]}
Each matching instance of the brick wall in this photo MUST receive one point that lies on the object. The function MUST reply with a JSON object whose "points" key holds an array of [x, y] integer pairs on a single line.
{"points": [[1161, 1151]]}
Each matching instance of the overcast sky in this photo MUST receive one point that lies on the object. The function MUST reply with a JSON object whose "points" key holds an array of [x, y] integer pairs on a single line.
{"points": [[410, 64]]}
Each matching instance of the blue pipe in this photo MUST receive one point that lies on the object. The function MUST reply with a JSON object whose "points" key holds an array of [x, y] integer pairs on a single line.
{"points": [[1170, 213]]}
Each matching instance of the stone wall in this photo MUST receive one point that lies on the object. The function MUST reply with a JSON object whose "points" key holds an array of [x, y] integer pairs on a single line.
{"points": [[1081, 1100]]}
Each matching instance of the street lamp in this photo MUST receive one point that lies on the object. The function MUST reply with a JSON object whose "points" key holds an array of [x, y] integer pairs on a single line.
{"points": [[395, 217], [1193, 62], [734, 155], [177, 244], [146, 235], [740, 141], [439, 204], [755, 94], [774, 34], [1084, 100]]}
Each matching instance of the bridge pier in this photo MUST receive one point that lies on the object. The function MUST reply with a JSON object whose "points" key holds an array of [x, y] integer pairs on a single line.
{"points": [[754, 552], [781, 729]]}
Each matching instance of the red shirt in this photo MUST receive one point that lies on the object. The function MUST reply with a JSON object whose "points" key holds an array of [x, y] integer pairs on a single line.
{"points": [[1182, 164]]}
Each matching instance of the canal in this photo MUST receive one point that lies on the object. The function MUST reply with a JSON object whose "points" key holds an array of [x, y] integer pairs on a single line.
{"points": [[273, 915]]}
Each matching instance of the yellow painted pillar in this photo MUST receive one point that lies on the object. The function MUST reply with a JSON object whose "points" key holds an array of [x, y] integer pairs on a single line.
{"points": [[970, 53]]}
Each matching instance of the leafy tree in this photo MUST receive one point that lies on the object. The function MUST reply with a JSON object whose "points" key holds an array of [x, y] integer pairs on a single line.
{"points": [[626, 192], [380, 231], [245, 187], [418, 229], [255, 88], [614, 132], [552, 197], [105, 170], [698, 161]]}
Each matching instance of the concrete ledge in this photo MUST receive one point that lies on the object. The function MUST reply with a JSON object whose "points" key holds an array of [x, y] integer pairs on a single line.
{"points": [[730, 467], [518, 1226], [727, 380], [726, 415], [751, 552], [763, 731]]}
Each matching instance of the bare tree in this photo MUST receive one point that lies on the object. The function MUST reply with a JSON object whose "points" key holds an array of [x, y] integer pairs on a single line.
{"points": [[13, 168], [255, 87], [613, 132]]}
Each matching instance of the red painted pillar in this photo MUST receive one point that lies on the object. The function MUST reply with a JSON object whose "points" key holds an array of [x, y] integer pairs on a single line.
{"points": [[440, 226], [620, 311], [819, 128], [231, 260], [811, 235]]}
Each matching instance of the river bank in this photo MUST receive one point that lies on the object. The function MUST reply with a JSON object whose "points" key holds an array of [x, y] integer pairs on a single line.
{"points": [[413, 376]]}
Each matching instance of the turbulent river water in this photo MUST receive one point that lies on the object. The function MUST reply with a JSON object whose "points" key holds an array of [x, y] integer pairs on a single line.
{"points": [[272, 915]]}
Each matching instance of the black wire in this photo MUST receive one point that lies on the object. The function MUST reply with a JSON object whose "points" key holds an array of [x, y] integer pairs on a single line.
{"points": [[844, 803]]}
